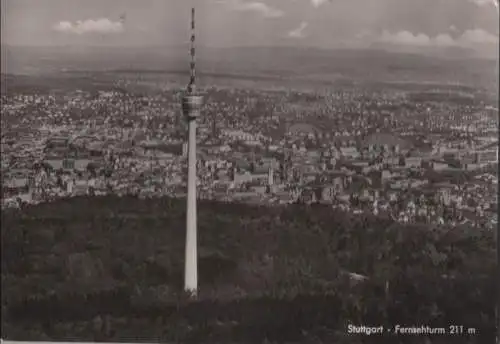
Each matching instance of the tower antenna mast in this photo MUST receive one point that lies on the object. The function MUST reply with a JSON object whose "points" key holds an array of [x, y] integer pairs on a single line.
{"points": [[191, 88]]}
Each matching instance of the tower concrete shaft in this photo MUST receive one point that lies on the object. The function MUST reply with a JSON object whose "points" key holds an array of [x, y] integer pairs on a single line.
{"points": [[191, 266], [191, 105]]}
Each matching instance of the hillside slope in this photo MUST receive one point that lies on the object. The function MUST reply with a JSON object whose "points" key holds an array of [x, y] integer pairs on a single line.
{"points": [[110, 268]]}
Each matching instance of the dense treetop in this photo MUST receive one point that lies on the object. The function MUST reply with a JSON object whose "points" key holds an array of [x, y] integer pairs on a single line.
{"points": [[275, 273]]}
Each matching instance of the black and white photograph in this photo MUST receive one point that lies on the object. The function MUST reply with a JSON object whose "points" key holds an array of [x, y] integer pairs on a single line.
{"points": [[249, 171]]}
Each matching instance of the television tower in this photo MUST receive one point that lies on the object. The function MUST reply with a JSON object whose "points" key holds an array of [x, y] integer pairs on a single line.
{"points": [[191, 105]]}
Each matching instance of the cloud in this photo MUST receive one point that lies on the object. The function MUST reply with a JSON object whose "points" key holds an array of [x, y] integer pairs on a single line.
{"points": [[485, 3], [466, 39], [478, 36], [364, 34], [89, 26], [253, 6], [299, 31], [317, 3], [442, 40], [404, 37]]}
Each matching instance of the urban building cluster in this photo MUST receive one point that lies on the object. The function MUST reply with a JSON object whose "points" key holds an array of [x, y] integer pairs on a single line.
{"points": [[383, 152]]}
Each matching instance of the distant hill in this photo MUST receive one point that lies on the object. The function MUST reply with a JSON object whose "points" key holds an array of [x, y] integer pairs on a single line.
{"points": [[278, 62], [451, 52]]}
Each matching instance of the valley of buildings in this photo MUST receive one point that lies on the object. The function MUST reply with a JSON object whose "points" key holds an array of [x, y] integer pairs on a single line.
{"points": [[380, 152]]}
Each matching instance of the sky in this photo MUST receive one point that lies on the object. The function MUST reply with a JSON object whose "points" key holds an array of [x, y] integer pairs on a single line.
{"points": [[222, 23]]}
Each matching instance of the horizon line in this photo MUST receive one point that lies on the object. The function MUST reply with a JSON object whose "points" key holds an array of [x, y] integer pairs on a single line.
{"points": [[389, 49]]}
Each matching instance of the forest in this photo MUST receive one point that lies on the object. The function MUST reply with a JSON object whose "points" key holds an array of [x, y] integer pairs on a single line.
{"points": [[111, 269]]}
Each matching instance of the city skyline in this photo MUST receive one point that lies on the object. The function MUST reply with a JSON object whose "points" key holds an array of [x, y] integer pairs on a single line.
{"points": [[328, 24]]}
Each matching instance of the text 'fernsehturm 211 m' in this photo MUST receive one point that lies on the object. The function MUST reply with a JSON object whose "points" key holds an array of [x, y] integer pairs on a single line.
{"points": [[191, 105]]}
